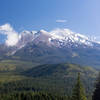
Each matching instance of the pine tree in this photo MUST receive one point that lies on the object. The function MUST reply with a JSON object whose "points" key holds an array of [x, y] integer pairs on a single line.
{"points": [[96, 93], [78, 91]]}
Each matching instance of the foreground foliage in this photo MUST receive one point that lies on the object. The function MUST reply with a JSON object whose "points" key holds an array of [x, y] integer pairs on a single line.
{"points": [[31, 96], [78, 91], [96, 93], [78, 94]]}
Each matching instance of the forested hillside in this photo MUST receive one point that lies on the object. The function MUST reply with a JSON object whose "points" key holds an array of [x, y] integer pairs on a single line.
{"points": [[56, 79]]}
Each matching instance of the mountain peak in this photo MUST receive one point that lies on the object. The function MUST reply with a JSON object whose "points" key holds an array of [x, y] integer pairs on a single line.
{"points": [[59, 38]]}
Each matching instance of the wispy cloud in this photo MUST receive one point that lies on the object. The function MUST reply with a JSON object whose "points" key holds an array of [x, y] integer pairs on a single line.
{"points": [[61, 21], [12, 35]]}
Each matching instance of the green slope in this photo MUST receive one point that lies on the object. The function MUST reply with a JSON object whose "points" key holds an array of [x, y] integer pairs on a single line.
{"points": [[16, 65], [61, 70], [62, 77]]}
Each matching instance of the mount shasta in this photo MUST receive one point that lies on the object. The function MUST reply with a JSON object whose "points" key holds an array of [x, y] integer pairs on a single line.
{"points": [[57, 46]]}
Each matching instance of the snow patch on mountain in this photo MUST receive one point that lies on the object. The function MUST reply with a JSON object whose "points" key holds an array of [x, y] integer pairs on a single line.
{"points": [[67, 36]]}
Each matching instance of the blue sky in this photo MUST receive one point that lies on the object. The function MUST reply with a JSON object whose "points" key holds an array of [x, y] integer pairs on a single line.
{"points": [[82, 16]]}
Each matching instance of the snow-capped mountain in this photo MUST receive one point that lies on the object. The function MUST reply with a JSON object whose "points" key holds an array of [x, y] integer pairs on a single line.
{"points": [[57, 46], [58, 38]]}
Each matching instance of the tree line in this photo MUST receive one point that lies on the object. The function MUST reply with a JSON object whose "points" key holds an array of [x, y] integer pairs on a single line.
{"points": [[78, 93]]}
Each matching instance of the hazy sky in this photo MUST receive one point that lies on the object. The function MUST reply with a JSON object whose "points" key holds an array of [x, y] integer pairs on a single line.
{"points": [[82, 16]]}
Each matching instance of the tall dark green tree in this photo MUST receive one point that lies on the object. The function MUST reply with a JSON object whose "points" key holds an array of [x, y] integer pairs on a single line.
{"points": [[78, 91], [96, 93]]}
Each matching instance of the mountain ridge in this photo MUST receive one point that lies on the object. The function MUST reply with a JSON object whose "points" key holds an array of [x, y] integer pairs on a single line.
{"points": [[58, 46], [58, 38]]}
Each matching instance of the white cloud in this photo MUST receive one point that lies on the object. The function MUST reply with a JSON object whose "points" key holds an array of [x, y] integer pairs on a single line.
{"points": [[12, 35], [61, 21]]}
